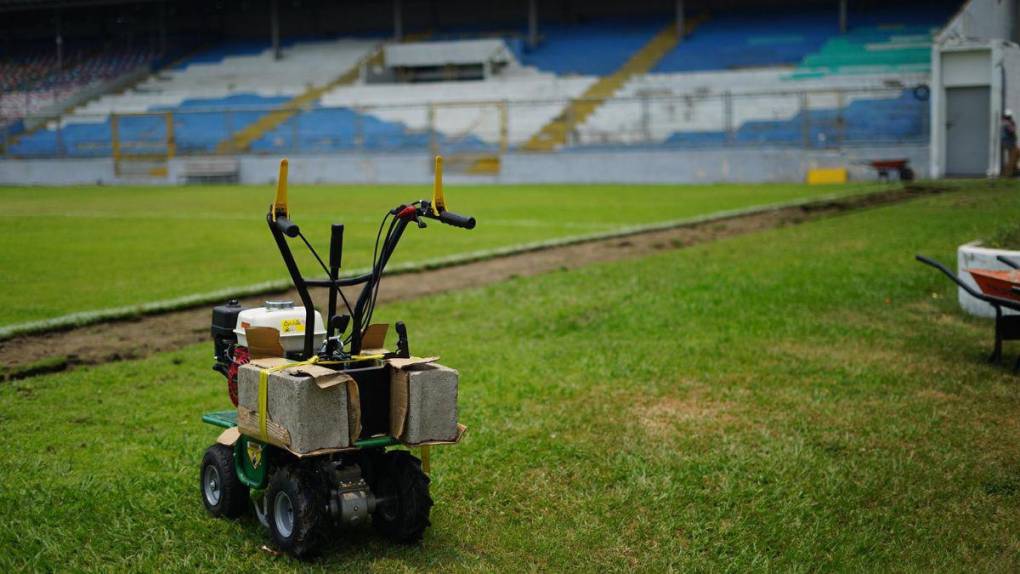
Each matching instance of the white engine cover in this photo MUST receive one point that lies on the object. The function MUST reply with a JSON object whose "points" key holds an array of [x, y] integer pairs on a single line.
{"points": [[285, 318]]}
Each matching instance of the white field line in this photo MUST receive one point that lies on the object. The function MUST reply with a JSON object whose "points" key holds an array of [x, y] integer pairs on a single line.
{"points": [[83, 318]]}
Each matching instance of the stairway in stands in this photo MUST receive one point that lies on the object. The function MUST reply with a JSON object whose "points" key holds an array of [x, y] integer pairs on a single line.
{"points": [[555, 133], [241, 141]]}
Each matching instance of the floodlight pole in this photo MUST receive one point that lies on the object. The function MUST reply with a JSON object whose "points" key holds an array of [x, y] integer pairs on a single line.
{"points": [[398, 20], [162, 28], [274, 23], [842, 16], [680, 19], [532, 23]]}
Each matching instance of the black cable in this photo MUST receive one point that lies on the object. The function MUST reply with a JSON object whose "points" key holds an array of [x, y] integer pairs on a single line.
{"points": [[378, 273], [375, 259], [314, 252], [326, 271]]}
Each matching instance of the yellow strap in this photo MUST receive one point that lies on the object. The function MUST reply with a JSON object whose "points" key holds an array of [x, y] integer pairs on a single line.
{"points": [[353, 359], [264, 392], [264, 385]]}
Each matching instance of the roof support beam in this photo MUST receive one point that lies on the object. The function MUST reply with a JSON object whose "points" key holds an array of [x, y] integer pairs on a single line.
{"points": [[532, 23], [398, 20], [680, 19], [274, 25]]}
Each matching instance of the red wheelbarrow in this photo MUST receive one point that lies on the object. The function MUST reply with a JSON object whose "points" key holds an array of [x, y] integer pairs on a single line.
{"points": [[1001, 290], [885, 166]]}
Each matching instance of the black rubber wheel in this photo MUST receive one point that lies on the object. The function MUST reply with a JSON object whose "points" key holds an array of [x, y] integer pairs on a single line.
{"points": [[402, 514], [222, 492], [294, 510]]}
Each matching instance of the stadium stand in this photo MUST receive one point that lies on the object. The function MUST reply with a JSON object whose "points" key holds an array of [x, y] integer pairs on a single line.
{"points": [[871, 49], [396, 116], [750, 40], [568, 50], [692, 108], [864, 120], [31, 83], [736, 80], [212, 96], [738, 77]]}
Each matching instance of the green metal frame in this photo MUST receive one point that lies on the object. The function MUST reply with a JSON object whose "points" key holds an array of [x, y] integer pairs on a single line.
{"points": [[250, 475], [255, 477]]}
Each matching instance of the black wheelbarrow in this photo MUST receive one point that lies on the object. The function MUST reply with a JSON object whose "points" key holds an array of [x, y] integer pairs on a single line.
{"points": [[1007, 327]]}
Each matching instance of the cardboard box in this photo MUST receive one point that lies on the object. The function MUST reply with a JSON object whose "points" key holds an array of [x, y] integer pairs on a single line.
{"points": [[423, 401], [309, 407]]}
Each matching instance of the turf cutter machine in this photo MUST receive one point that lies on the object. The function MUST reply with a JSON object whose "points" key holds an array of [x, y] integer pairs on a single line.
{"points": [[318, 403]]}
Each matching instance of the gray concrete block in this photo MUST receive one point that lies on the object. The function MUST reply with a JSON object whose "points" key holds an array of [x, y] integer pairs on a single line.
{"points": [[315, 418], [424, 403]]}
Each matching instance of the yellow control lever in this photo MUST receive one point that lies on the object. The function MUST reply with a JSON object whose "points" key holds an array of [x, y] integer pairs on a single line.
{"points": [[280, 202], [438, 201]]}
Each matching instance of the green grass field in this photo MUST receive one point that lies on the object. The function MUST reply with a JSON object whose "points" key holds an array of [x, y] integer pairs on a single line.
{"points": [[806, 398], [76, 249]]}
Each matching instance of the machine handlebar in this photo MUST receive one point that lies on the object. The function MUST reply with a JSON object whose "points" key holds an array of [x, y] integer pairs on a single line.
{"points": [[286, 226], [456, 220]]}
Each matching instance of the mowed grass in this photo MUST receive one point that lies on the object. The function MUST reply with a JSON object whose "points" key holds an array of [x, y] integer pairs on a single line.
{"points": [[807, 398], [65, 250]]}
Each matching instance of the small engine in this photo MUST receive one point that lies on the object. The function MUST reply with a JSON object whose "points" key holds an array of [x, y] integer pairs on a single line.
{"points": [[224, 321], [228, 355], [230, 320]]}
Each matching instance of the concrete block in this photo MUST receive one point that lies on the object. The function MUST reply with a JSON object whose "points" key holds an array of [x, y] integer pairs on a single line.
{"points": [[315, 415], [423, 403]]}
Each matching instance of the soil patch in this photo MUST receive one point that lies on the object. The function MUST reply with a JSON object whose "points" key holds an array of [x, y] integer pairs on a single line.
{"points": [[30, 355]]}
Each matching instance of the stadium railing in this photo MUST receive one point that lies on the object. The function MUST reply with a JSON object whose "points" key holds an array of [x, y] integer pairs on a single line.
{"points": [[790, 118]]}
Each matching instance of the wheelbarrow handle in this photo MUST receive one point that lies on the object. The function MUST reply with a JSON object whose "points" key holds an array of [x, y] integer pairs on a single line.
{"points": [[1009, 260], [990, 299]]}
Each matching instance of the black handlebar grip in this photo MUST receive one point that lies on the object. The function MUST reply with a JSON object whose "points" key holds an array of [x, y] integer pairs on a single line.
{"points": [[456, 220], [287, 227]]}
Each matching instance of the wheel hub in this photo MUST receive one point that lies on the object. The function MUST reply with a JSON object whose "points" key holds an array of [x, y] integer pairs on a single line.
{"points": [[283, 511], [211, 485]]}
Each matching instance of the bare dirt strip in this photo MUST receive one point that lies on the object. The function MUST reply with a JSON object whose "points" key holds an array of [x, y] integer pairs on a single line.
{"points": [[30, 355]]}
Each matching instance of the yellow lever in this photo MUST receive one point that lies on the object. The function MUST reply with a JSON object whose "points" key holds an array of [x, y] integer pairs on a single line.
{"points": [[280, 203], [438, 201]]}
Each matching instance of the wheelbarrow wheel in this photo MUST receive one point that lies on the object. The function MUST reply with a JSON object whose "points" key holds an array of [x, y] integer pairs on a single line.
{"points": [[294, 511], [402, 513], [223, 493]]}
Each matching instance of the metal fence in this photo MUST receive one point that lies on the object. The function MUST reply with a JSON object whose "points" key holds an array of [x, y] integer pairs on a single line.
{"points": [[659, 118]]}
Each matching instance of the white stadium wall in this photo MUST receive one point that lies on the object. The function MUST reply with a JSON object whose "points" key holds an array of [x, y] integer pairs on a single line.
{"points": [[749, 165], [982, 20]]}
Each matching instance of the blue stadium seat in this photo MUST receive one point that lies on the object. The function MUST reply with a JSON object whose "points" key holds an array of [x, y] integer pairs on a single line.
{"points": [[344, 129], [745, 40], [596, 49], [199, 126], [863, 121]]}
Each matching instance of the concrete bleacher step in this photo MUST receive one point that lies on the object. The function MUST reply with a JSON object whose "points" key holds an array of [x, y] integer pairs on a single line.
{"points": [[242, 140], [555, 133]]}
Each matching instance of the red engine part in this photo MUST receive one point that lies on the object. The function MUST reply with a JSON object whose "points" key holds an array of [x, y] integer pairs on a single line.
{"points": [[241, 357]]}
